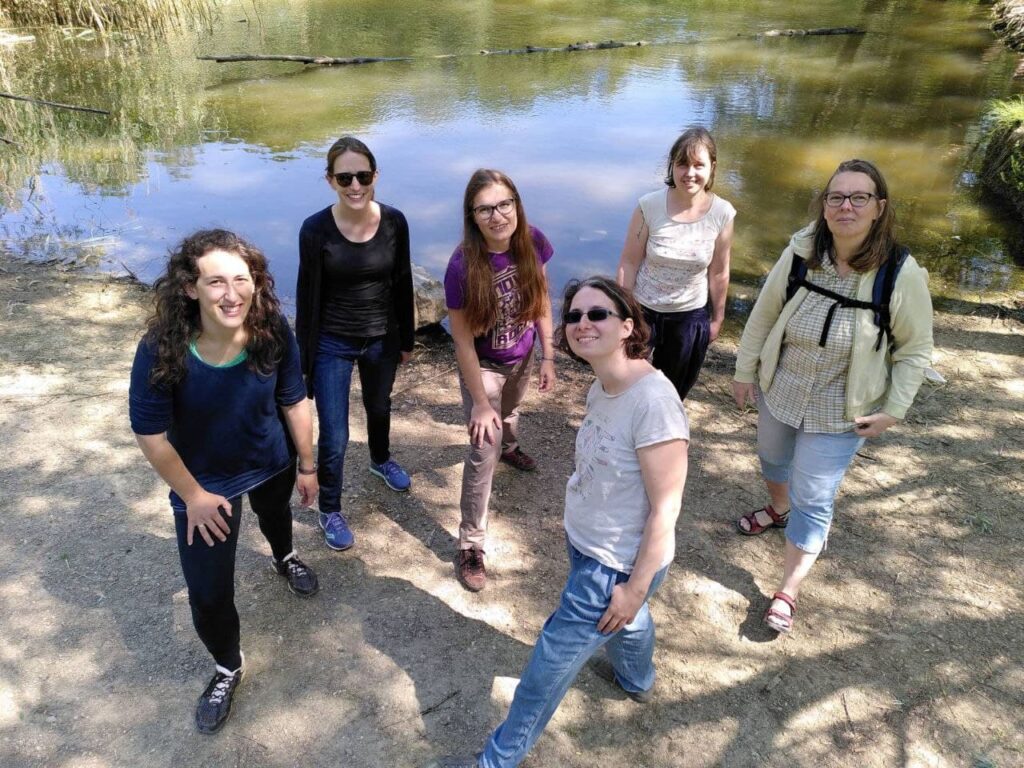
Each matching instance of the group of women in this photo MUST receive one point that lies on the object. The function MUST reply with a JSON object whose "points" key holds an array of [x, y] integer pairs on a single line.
{"points": [[219, 387]]}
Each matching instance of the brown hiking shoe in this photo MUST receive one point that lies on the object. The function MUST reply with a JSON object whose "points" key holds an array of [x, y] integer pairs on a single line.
{"points": [[471, 569], [521, 461]]}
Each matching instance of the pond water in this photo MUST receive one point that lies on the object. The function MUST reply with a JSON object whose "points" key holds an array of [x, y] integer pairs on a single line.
{"points": [[194, 143]]}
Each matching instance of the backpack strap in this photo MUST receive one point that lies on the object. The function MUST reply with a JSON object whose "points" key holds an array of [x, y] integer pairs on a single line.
{"points": [[881, 292], [797, 275]]}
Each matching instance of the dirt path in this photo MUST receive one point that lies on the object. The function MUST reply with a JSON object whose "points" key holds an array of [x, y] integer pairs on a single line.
{"points": [[907, 651]]}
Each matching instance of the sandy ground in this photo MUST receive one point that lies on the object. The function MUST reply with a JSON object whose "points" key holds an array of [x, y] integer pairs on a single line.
{"points": [[907, 652]]}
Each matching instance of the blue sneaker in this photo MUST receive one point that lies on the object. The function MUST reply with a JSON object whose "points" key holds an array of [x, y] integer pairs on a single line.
{"points": [[396, 478], [337, 534]]}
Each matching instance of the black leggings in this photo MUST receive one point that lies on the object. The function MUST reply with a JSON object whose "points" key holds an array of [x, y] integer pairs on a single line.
{"points": [[210, 571], [680, 342]]}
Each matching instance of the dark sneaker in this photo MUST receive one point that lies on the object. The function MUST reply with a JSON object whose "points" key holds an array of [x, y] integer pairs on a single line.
{"points": [[337, 534], [301, 579], [453, 761], [214, 705], [471, 569], [396, 478], [521, 461], [603, 669]]}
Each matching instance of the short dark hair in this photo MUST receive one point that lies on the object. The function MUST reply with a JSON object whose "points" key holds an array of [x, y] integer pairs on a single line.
{"points": [[349, 144], [685, 148], [637, 345]]}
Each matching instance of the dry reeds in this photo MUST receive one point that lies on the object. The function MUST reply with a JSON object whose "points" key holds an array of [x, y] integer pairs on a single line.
{"points": [[137, 15]]}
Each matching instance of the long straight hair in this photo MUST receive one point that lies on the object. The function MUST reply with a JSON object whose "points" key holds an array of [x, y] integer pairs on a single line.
{"points": [[881, 238], [481, 301], [175, 319]]}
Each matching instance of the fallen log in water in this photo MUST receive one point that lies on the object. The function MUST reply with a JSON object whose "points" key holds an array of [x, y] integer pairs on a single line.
{"points": [[820, 31], [54, 104], [331, 61], [604, 45], [323, 61]]}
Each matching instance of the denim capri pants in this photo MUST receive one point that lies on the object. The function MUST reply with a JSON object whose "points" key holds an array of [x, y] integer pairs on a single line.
{"points": [[813, 464]]}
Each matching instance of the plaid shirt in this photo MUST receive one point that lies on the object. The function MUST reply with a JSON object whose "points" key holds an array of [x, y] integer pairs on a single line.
{"points": [[809, 387]]}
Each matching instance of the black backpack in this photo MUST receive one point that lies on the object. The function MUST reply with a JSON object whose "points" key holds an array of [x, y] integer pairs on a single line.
{"points": [[881, 293]]}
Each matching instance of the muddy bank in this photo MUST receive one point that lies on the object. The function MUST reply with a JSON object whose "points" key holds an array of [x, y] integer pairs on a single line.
{"points": [[906, 652]]}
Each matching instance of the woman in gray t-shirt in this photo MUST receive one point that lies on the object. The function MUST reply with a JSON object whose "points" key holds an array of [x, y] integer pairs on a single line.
{"points": [[621, 507]]}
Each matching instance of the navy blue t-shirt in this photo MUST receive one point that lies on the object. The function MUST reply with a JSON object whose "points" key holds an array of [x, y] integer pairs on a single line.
{"points": [[225, 423]]}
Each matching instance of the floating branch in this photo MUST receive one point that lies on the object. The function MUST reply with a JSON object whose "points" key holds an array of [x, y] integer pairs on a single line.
{"points": [[54, 104], [820, 31], [323, 61], [330, 61]]}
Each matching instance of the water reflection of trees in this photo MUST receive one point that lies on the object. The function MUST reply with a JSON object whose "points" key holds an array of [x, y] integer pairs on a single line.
{"points": [[154, 103]]}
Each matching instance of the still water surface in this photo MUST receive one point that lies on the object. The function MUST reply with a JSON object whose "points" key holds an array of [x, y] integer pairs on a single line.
{"points": [[193, 144]]}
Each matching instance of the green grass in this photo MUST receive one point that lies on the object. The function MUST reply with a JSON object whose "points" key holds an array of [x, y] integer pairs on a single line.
{"points": [[1008, 113]]}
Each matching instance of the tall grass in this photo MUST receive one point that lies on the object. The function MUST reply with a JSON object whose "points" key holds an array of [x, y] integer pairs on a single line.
{"points": [[1003, 165], [153, 15]]}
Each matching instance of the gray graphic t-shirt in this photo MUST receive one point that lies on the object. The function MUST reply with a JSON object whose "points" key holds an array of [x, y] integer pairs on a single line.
{"points": [[606, 504]]}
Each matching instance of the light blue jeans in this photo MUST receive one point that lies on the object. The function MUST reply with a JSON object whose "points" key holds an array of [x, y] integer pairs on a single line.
{"points": [[569, 638], [814, 465]]}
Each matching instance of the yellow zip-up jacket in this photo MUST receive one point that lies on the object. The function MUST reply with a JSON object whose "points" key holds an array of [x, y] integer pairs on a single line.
{"points": [[875, 380]]}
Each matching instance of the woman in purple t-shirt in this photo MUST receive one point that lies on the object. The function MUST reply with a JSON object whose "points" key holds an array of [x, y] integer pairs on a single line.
{"points": [[496, 290]]}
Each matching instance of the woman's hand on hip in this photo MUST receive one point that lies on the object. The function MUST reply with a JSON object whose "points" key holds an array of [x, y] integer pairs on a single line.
{"points": [[484, 425], [621, 610], [743, 393], [404, 357], [204, 514], [873, 425], [547, 375], [308, 487]]}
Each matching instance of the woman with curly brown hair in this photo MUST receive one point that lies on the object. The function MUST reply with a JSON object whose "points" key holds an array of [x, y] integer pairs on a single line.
{"points": [[621, 506], [218, 406], [496, 291]]}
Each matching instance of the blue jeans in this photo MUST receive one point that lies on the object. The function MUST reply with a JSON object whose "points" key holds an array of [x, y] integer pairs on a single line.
{"points": [[377, 359], [814, 465], [569, 638]]}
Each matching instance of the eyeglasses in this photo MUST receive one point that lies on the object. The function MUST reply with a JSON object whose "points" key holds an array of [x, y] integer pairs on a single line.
{"points": [[595, 315], [365, 178], [857, 199], [503, 207]]}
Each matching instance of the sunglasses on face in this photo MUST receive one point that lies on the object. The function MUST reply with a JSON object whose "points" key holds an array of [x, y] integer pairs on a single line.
{"points": [[365, 178], [595, 315]]}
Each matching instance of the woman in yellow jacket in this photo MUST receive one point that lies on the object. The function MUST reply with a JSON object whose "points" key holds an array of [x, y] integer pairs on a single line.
{"points": [[824, 373]]}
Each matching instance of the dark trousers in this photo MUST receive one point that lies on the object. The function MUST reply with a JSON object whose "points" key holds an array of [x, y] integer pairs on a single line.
{"points": [[377, 360], [680, 342], [210, 571]]}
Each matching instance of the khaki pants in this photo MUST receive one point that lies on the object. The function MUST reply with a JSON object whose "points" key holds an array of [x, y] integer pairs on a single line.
{"points": [[506, 387]]}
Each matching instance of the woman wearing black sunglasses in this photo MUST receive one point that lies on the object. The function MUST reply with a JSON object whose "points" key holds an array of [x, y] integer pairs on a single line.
{"points": [[354, 307], [621, 506]]}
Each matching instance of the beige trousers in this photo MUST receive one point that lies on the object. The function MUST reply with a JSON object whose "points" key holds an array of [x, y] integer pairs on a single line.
{"points": [[506, 387]]}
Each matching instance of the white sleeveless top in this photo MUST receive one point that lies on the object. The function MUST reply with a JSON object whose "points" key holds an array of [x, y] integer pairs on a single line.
{"points": [[673, 277]]}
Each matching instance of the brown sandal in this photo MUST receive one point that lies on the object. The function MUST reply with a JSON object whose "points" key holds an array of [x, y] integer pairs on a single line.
{"points": [[781, 622], [755, 528]]}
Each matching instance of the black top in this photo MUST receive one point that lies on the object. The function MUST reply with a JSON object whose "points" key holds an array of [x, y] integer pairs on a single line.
{"points": [[353, 289], [224, 421]]}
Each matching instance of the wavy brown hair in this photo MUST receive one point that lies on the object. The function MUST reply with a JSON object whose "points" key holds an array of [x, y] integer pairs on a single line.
{"points": [[175, 319], [637, 344], [481, 306], [881, 238]]}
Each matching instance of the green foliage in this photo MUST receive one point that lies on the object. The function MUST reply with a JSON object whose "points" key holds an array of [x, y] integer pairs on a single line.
{"points": [[1003, 166], [1008, 113]]}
